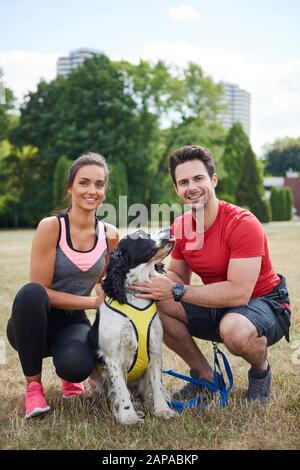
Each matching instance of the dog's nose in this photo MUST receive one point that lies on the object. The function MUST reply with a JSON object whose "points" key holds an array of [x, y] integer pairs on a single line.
{"points": [[167, 233], [162, 234]]}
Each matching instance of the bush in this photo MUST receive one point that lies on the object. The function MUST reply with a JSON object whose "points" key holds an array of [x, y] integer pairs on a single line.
{"points": [[288, 203], [281, 204]]}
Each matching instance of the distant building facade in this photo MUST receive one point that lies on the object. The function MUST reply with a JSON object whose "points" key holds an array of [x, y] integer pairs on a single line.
{"points": [[66, 65], [238, 108]]}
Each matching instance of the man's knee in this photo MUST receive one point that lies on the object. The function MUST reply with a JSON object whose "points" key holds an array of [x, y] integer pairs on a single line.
{"points": [[237, 333]]}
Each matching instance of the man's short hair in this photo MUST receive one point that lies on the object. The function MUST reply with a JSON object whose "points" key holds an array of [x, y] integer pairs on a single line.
{"points": [[188, 153]]}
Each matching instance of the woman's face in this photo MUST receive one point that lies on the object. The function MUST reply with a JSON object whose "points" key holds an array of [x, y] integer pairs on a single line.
{"points": [[88, 188]]}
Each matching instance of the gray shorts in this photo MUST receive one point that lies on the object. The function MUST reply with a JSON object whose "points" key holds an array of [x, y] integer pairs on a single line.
{"points": [[270, 318]]}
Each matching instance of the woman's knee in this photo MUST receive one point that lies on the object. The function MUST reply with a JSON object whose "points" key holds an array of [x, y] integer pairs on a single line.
{"points": [[31, 294], [74, 364], [31, 307], [10, 334]]}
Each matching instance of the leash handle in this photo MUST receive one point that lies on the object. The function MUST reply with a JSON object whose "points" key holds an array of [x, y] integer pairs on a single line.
{"points": [[223, 390], [218, 352]]}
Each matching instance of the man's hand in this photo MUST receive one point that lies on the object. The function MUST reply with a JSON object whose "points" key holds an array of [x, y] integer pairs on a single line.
{"points": [[159, 288]]}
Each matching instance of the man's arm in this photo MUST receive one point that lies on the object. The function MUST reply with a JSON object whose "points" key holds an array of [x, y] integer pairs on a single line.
{"points": [[242, 275], [179, 271]]}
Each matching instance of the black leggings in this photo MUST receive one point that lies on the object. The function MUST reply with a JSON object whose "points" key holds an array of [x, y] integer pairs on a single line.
{"points": [[36, 331]]}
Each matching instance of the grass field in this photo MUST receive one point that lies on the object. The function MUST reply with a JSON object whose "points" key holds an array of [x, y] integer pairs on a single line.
{"points": [[83, 425]]}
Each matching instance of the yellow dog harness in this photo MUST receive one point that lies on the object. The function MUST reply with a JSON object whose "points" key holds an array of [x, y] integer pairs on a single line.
{"points": [[141, 320]]}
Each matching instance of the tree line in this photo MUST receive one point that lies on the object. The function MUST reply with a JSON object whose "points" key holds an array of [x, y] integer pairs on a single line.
{"points": [[133, 114]]}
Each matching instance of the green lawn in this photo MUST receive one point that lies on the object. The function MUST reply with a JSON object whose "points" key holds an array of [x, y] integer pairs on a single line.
{"points": [[82, 425]]}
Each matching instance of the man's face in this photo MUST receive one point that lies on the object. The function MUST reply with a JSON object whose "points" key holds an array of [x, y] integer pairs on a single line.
{"points": [[194, 185]]}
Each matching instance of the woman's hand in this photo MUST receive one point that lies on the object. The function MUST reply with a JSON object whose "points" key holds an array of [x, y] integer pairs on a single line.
{"points": [[98, 289], [99, 299]]}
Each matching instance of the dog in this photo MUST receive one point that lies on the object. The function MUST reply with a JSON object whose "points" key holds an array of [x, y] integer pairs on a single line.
{"points": [[121, 348]]}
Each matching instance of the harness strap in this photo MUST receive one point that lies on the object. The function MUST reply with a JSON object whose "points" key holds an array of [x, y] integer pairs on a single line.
{"points": [[141, 320]]}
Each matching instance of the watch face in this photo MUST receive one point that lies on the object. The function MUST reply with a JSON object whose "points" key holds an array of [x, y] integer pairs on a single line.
{"points": [[178, 290]]}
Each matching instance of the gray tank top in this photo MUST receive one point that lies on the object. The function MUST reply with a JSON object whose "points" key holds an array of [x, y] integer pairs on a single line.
{"points": [[76, 272]]}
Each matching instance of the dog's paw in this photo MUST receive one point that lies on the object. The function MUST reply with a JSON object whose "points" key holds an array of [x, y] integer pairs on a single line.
{"points": [[140, 414], [165, 413], [128, 417]]}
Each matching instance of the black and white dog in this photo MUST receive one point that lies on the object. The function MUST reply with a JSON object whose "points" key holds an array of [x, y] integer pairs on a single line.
{"points": [[122, 347]]}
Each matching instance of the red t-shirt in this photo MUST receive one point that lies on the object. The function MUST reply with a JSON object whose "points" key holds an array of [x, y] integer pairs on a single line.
{"points": [[236, 233]]}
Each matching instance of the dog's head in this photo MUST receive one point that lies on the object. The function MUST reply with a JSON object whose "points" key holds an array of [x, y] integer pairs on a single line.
{"points": [[135, 250]]}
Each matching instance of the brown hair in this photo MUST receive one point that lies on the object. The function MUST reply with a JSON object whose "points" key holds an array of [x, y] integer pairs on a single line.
{"points": [[188, 153], [89, 158]]}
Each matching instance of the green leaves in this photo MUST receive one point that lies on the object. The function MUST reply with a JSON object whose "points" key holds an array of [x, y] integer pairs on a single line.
{"points": [[283, 155], [236, 145], [134, 114]]}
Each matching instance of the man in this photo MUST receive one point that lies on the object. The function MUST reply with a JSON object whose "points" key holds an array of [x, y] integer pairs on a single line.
{"points": [[243, 302]]}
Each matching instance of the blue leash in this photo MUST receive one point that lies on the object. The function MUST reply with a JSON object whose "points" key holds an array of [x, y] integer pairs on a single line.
{"points": [[223, 391]]}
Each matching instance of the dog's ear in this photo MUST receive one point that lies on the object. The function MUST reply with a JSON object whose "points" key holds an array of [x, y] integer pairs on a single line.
{"points": [[114, 282]]}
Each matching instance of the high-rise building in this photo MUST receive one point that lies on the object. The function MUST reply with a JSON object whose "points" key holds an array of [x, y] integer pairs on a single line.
{"points": [[66, 65], [238, 107]]}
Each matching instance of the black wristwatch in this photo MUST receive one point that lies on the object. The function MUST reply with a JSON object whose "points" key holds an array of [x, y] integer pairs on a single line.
{"points": [[178, 290]]}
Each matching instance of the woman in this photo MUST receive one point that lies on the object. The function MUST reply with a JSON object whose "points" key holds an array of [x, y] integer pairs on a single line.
{"points": [[67, 260]]}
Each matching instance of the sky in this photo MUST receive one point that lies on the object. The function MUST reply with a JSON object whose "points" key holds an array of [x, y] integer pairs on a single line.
{"points": [[253, 44]]}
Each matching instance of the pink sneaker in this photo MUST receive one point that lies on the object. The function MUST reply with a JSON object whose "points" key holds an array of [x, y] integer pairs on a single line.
{"points": [[70, 389], [35, 400]]}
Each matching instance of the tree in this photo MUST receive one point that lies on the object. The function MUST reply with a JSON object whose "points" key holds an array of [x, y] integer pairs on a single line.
{"points": [[60, 174], [7, 101], [133, 114], [20, 186], [236, 145], [282, 155], [89, 110], [249, 190], [193, 119]]}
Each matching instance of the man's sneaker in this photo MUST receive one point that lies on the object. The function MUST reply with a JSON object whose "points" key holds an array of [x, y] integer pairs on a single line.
{"points": [[70, 389], [35, 400], [190, 390], [259, 385]]}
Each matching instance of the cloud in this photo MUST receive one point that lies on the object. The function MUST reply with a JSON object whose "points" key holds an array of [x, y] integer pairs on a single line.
{"points": [[184, 13], [23, 70]]}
